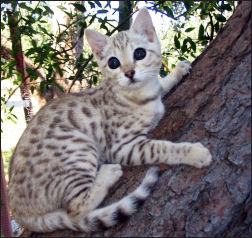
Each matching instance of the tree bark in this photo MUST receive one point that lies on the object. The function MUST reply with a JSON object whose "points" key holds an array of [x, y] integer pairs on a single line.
{"points": [[210, 105], [5, 216]]}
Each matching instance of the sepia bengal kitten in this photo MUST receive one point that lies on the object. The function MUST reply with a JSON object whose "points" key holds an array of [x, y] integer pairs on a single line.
{"points": [[72, 151]]}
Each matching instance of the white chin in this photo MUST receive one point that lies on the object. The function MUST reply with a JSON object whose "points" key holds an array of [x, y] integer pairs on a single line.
{"points": [[135, 84]]}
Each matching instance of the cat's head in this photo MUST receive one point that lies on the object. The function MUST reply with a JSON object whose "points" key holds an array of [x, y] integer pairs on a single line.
{"points": [[131, 57]]}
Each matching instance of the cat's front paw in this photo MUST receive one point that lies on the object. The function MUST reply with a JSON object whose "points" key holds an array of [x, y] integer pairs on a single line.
{"points": [[183, 68], [199, 156]]}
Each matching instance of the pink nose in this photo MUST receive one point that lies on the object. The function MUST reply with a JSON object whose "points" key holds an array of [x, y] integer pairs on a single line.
{"points": [[130, 74]]}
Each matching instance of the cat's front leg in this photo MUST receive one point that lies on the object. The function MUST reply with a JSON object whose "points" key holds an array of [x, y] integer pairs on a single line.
{"points": [[175, 76], [145, 151]]}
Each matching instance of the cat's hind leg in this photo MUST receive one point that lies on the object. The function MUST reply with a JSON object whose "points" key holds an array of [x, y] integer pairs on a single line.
{"points": [[107, 176], [91, 198]]}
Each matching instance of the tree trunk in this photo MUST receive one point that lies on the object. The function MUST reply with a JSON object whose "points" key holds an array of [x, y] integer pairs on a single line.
{"points": [[125, 9], [21, 67], [211, 105], [5, 216]]}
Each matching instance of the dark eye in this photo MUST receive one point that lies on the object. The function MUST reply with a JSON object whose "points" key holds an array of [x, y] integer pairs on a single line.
{"points": [[113, 63], [139, 53]]}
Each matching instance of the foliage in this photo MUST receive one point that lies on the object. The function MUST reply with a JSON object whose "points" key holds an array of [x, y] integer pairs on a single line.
{"points": [[51, 53], [189, 40], [7, 156]]}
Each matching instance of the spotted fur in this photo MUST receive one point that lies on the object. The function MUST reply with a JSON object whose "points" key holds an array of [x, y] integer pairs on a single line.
{"points": [[72, 151]]}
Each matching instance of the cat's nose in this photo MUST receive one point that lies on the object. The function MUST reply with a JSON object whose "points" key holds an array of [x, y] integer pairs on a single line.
{"points": [[130, 74]]}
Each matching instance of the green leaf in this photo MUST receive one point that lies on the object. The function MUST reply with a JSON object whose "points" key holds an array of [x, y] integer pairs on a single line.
{"points": [[10, 64], [169, 12], [189, 29], [71, 78], [49, 10], [98, 4], [38, 10], [188, 4], [181, 58], [30, 51], [11, 108], [79, 7], [34, 43], [14, 116], [31, 19], [193, 45], [43, 29], [205, 42], [69, 14], [216, 26], [220, 18], [58, 86], [82, 24], [102, 11], [226, 7], [176, 42], [32, 89], [92, 19], [201, 32], [104, 26], [193, 55], [95, 80], [92, 5], [12, 119], [42, 86], [81, 31], [59, 70], [61, 7], [184, 48], [23, 5]]}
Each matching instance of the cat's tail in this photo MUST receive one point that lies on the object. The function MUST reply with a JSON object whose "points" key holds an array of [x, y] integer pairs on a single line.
{"points": [[99, 218], [119, 211]]}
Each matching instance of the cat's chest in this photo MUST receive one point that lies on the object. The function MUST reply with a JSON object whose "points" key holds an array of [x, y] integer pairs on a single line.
{"points": [[153, 111], [148, 114]]}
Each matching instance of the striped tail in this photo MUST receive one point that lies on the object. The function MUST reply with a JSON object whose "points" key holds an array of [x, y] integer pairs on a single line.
{"points": [[102, 217]]}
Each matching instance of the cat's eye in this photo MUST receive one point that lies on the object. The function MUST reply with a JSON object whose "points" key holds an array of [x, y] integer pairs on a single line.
{"points": [[113, 63], [139, 53]]}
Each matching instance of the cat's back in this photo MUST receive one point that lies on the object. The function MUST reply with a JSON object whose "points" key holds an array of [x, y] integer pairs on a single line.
{"points": [[43, 157], [51, 132]]}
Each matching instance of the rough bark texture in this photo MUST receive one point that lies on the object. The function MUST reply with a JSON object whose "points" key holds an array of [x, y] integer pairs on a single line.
{"points": [[211, 105]]}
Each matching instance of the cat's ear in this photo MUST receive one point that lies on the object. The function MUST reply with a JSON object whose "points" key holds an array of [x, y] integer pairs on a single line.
{"points": [[97, 42], [143, 25]]}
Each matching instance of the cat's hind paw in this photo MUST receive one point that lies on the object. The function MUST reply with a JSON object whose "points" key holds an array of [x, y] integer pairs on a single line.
{"points": [[111, 173]]}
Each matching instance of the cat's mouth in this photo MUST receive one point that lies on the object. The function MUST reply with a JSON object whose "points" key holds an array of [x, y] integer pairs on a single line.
{"points": [[133, 81]]}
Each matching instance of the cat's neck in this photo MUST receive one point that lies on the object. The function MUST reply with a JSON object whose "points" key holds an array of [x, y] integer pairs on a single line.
{"points": [[149, 89]]}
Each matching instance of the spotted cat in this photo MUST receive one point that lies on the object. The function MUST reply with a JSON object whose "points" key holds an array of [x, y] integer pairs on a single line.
{"points": [[72, 151]]}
